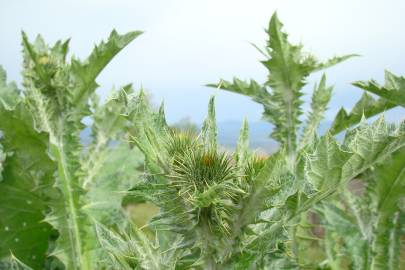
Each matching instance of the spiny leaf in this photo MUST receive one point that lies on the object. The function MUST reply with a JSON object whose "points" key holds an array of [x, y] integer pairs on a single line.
{"points": [[334, 61], [149, 131], [340, 227], [370, 229], [275, 180], [331, 165], [131, 249], [288, 68], [393, 89], [325, 165], [251, 89], [9, 93], [367, 106], [391, 94], [115, 176], [242, 148], [109, 171], [390, 182], [389, 190], [265, 191], [86, 72], [58, 95], [364, 147], [14, 263], [320, 100], [109, 120], [75, 241], [2, 159], [209, 128], [26, 189]]}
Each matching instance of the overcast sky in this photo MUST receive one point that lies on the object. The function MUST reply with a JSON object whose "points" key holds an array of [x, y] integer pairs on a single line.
{"points": [[188, 43]]}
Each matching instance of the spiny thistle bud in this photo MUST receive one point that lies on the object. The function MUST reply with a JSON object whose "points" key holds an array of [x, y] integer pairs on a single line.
{"points": [[254, 165], [179, 142], [206, 181], [198, 169]]}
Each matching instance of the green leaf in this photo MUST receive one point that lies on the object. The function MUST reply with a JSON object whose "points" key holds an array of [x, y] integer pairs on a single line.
{"points": [[320, 100], [393, 89], [9, 93], [369, 222], [390, 182], [14, 263], [325, 166], [270, 189], [2, 159], [331, 165], [108, 123], [58, 94], [391, 94], [26, 189], [132, 249], [367, 106], [114, 177], [341, 226], [86, 72], [209, 128], [75, 242], [149, 131], [242, 148], [251, 89], [109, 168], [328, 167], [288, 68], [389, 190], [334, 61]]}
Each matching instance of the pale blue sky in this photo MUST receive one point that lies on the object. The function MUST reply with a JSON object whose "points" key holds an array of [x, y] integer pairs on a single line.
{"points": [[188, 43]]}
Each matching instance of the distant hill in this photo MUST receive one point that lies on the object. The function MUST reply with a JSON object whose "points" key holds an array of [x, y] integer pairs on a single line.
{"points": [[228, 133], [259, 132]]}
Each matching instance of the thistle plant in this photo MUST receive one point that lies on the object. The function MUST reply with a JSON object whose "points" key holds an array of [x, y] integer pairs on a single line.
{"points": [[62, 199], [281, 98], [221, 210], [53, 185], [367, 217], [255, 214]]}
